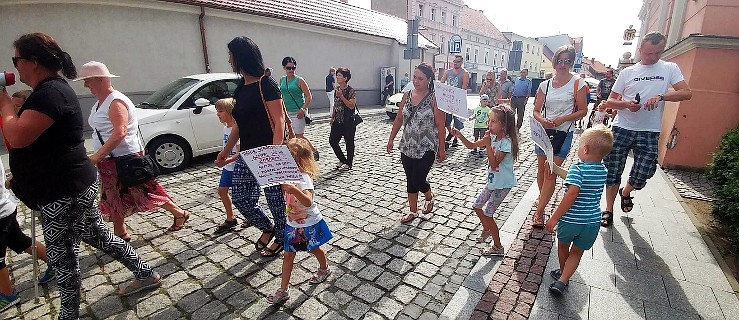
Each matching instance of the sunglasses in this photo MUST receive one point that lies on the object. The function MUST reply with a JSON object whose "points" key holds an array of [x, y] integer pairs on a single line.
{"points": [[491, 79], [457, 61], [15, 60], [290, 68], [565, 61]]}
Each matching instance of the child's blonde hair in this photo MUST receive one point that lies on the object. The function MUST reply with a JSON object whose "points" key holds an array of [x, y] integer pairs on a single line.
{"points": [[506, 115], [303, 154], [227, 105], [600, 140]]}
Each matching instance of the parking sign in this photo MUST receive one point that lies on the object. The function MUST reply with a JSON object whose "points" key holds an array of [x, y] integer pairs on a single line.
{"points": [[455, 44]]}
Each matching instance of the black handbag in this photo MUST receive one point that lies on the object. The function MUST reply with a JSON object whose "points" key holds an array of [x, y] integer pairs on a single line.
{"points": [[556, 137], [133, 169]]}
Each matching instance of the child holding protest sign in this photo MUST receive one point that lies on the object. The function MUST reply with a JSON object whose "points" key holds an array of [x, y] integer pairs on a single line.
{"points": [[501, 143], [224, 107], [578, 216], [305, 229]]}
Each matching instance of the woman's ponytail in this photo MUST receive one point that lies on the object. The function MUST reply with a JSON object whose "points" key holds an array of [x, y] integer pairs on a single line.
{"points": [[68, 68]]}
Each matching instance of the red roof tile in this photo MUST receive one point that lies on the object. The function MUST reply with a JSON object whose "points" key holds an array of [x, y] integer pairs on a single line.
{"points": [[329, 14], [476, 21]]}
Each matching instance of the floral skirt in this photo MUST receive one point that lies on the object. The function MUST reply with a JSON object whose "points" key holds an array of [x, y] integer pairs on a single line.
{"points": [[306, 238], [117, 203]]}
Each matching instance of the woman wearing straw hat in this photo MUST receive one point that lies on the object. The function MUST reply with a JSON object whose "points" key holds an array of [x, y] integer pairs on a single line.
{"points": [[113, 118], [52, 174]]}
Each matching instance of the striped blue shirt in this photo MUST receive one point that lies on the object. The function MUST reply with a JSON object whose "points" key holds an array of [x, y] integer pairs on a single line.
{"points": [[590, 177]]}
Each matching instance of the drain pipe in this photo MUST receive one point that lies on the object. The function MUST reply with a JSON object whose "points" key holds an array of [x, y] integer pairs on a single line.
{"points": [[202, 39]]}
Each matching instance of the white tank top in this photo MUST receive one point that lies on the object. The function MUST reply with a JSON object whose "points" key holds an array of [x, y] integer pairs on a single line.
{"points": [[100, 121]]}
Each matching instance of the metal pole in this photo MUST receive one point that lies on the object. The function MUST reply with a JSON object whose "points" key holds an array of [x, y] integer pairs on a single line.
{"points": [[34, 255]]}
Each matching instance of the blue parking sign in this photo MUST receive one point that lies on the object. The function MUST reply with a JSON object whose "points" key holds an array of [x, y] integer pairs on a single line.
{"points": [[455, 44]]}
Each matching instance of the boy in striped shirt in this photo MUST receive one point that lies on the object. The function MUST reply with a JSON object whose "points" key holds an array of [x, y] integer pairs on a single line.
{"points": [[577, 218]]}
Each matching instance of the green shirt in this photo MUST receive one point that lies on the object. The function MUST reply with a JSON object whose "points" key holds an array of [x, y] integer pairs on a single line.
{"points": [[292, 95], [481, 116]]}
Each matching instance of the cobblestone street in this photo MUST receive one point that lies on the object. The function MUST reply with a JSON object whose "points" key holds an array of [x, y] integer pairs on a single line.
{"points": [[382, 268]]}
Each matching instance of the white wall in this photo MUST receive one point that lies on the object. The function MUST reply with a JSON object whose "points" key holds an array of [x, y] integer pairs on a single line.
{"points": [[150, 44]]}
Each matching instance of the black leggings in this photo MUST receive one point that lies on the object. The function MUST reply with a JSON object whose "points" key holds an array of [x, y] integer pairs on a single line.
{"points": [[416, 171], [346, 130]]}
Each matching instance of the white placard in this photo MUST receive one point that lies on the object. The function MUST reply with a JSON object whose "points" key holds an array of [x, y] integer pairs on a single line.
{"points": [[451, 100], [541, 138], [599, 117], [272, 164]]}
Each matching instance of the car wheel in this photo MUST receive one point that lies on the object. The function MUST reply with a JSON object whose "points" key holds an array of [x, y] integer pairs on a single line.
{"points": [[391, 115], [170, 153]]}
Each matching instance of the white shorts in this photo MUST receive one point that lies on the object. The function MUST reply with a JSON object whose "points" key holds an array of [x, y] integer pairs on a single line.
{"points": [[298, 124]]}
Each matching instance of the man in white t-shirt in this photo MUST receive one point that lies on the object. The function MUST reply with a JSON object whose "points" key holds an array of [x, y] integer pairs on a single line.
{"points": [[639, 121]]}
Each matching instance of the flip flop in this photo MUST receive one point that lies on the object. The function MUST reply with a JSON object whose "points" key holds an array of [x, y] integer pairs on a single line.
{"points": [[153, 281], [409, 216]]}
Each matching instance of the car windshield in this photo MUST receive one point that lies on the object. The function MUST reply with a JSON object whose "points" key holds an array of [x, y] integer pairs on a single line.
{"points": [[167, 96], [408, 87]]}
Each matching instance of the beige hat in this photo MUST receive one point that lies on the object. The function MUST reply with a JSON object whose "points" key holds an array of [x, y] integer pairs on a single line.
{"points": [[94, 69]]}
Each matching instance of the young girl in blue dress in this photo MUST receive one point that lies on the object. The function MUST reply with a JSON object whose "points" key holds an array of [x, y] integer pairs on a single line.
{"points": [[305, 229]]}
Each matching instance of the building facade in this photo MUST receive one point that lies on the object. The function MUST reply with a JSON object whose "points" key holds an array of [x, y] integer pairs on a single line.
{"points": [[703, 39], [525, 53], [484, 47], [166, 40]]}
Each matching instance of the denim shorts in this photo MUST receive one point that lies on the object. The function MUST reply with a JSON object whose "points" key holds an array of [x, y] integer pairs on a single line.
{"points": [[457, 122], [226, 178], [581, 235], [566, 146]]}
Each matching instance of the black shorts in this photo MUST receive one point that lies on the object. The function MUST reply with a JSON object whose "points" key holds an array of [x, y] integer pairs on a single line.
{"points": [[479, 133], [11, 235]]}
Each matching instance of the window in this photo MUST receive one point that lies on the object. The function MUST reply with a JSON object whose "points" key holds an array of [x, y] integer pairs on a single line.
{"points": [[476, 52], [433, 38], [495, 60], [487, 52], [467, 54], [443, 17], [213, 91], [487, 42], [420, 10], [527, 48], [433, 14], [516, 46], [477, 39], [454, 20], [502, 59], [442, 44]]}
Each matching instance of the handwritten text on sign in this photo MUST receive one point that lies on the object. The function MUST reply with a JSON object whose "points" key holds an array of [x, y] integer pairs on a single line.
{"points": [[272, 164], [541, 138], [451, 100]]}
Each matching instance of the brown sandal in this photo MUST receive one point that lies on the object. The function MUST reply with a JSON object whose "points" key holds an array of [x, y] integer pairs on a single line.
{"points": [[185, 216]]}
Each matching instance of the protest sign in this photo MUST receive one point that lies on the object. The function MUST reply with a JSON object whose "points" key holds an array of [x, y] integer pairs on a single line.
{"points": [[272, 164], [451, 100], [599, 117], [541, 138]]}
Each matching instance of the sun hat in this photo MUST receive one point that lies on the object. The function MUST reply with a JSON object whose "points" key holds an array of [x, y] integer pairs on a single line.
{"points": [[484, 97], [94, 69]]}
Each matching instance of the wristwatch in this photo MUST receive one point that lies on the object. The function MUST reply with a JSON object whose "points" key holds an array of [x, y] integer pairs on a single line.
{"points": [[661, 97]]}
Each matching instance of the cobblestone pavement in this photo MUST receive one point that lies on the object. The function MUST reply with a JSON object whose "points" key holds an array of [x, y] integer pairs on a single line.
{"points": [[382, 268], [692, 185]]}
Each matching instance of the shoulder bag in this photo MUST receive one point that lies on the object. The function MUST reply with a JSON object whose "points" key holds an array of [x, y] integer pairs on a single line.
{"points": [[133, 169], [306, 114], [289, 133], [557, 137], [356, 117]]}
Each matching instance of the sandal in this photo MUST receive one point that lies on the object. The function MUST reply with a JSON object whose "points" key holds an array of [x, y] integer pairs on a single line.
{"points": [[606, 218], [125, 237], [537, 222], [483, 237], [320, 276], [259, 245], [626, 201], [493, 251], [267, 252], [185, 216], [278, 297], [409, 216], [153, 281], [427, 209]]}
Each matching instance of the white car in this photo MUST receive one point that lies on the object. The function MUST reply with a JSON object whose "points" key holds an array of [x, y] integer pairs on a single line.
{"points": [[393, 103], [179, 120]]}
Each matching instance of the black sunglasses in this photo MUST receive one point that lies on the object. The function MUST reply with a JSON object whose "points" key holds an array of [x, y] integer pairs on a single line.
{"points": [[15, 60], [290, 68], [565, 61]]}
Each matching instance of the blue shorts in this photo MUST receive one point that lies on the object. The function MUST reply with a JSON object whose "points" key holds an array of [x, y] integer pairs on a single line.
{"points": [[581, 235], [306, 238], [226, 178], [457, 122], [566, 146]]}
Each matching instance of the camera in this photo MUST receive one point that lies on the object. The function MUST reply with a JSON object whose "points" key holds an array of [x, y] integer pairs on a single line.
{"points": [[7, 79]]}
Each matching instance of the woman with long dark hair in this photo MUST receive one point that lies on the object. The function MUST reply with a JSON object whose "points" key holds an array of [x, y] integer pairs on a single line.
{"points": [[342, 119], [260, 115], [52, 173], [422, 140]]}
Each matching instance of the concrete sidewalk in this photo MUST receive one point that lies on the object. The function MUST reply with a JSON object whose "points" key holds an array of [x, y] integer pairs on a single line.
{"points": [[652, 263]]}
